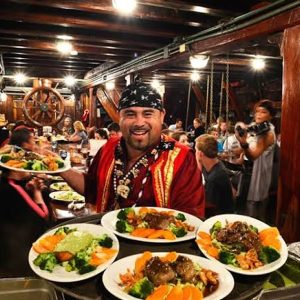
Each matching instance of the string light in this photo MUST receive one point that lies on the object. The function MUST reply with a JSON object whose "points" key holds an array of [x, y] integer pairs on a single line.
{"points": [[64, 47], [258, 63], [20, 78], [69, 80], [195, 76]]}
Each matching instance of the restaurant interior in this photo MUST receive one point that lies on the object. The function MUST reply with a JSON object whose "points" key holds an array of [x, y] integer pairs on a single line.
{"points": [[207, 59]]}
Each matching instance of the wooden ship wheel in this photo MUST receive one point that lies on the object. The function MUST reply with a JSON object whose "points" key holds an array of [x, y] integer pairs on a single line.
{"points": [[43, 106]]}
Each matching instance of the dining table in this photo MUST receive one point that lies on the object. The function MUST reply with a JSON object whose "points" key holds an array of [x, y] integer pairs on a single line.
{"points": [[246, 287]]}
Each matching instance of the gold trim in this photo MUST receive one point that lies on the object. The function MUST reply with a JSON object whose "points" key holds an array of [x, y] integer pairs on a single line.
{"points": [[169, 172], [158, 183], [106, 186]]}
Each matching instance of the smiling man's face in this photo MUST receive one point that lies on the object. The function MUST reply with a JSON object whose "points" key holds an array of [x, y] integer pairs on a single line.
{"points": [[141, 127]]}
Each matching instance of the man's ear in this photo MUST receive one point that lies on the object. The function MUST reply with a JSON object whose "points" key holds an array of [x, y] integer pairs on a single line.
{"points": [[162, 115]]}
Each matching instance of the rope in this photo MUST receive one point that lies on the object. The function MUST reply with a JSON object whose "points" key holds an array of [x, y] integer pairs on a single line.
{"points": [[206, 104], [221, 95], [227, 91], [211, 91]]}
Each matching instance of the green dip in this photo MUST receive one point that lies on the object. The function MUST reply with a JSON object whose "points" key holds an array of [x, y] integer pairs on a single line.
{"points": [[74, 242]]}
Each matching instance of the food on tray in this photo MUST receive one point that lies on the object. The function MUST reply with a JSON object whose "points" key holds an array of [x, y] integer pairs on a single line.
{"points": [[152, 224], [60, 186], [16, 157], [164, 277], [74, 250], [241, 245], [66, 196], [76, 158]]}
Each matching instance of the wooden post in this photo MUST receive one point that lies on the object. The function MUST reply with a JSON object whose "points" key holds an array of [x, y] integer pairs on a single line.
{"points": [[92, 107], [288, 208]]}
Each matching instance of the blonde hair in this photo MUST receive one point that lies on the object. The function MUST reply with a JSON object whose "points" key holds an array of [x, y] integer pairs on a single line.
{"points": [[79, 126]]}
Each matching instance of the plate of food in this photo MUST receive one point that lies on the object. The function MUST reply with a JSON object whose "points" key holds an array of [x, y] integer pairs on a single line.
{"points": [[17, 159], [242, 244], [60, 186], [152, 224], [161, 275], [67, 196], [73, 253]]}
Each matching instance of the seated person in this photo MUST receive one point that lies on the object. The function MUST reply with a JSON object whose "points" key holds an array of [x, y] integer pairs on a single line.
{"points": [[80, 134], [218, 189], [114, 130], [213, 131], [23, 213], [100, 139], [67, 128], [181, 137]]}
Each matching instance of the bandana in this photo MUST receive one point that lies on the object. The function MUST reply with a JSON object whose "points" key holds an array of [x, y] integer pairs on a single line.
{"points": [[140, 94]]}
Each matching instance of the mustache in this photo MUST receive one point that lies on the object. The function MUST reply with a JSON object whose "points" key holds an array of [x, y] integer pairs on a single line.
{"points": [[137, 127]]}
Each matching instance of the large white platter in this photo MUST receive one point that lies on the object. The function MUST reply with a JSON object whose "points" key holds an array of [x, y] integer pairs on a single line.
{"points": [[59, 274], [112, 282], [110, 219], [67, 166], [268, 268]]}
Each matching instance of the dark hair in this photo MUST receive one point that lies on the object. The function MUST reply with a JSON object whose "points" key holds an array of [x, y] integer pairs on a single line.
{"points": [[113, 127], [20, 136], [177, 134], [102, 133], [208, 145], [268, 105]]}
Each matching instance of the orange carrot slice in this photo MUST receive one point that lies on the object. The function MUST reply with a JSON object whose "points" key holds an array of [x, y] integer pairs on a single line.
{"points": [[176, 293], [141, 262], [159, 293]]}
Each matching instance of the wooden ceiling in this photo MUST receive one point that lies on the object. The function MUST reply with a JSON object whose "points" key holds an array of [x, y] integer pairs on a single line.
{"points": [[29, 30]]}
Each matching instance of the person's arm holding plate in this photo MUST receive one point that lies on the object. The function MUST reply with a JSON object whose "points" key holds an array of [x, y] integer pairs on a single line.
{"points": [[75, 179]]}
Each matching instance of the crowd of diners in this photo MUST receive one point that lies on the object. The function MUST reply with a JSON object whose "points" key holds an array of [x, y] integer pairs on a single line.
{"points": [[141, 161]]}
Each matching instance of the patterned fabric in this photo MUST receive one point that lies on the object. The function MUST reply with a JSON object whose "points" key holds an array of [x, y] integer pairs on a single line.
{"points": [[142, 95]]}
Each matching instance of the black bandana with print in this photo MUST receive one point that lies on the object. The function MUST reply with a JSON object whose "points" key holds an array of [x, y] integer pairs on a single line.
{"points": [[141, 95]]}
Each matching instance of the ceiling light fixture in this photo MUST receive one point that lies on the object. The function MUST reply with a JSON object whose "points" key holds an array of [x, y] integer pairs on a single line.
{"points": [[258, 63], [110, 85], [64, 47], [20, 78], [124, 6], [199, 61], [74, 52], [69, 80], [195, 76]]}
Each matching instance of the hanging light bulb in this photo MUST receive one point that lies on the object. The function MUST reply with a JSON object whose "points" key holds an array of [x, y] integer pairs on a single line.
{"points": [[258, 63], [20, 78], [124, 6], [110, 85], [64, 47], [3, 96], [199, 61], [195, 76], [69, 80]]}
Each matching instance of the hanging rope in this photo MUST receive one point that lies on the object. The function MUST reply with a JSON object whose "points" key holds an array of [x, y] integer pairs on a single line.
{"points": [[227, 91], [206, 103], [221, 94], [211, 91]]}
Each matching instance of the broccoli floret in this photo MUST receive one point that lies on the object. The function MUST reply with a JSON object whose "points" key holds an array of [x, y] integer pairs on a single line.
{"points": [[123, 213], [28, 165], [64, 230], [38, 166], [216, 227], [5, 158], [227, 258], [268, 254], [81, 258], [105, 241], [123, 226], [86, 268], [180, 217], [142, 288], [178, 231], [60, 163], [46, 261]]}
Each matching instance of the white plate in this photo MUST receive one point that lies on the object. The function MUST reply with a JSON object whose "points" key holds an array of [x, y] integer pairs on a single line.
{"points": [[57, 196], [268, 268], [110, 219], [59, 274], [111, 279], [60, 186], [67, 166]]}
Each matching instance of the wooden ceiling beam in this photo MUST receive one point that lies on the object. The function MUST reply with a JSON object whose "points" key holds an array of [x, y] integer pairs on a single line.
{"points": [[87, 23], [144, 12], [102, 38]]}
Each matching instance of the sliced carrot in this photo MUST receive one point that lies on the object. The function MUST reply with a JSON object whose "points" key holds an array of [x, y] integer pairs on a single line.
{"points": [[143, 210], [272, 241], [197, 294], [213, 251], [37, 247], [170, 257], [50, 242], [64, 255], [176, 293], [142, 232], [271, 231], [187, 293], [159, 293], [109, 251], [96, 261], [141, 262], [165, 234], [204, 235], [203, 243]]}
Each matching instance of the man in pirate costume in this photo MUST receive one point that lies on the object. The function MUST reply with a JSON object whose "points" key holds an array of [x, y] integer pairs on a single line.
{"points": [[143, 167]]}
